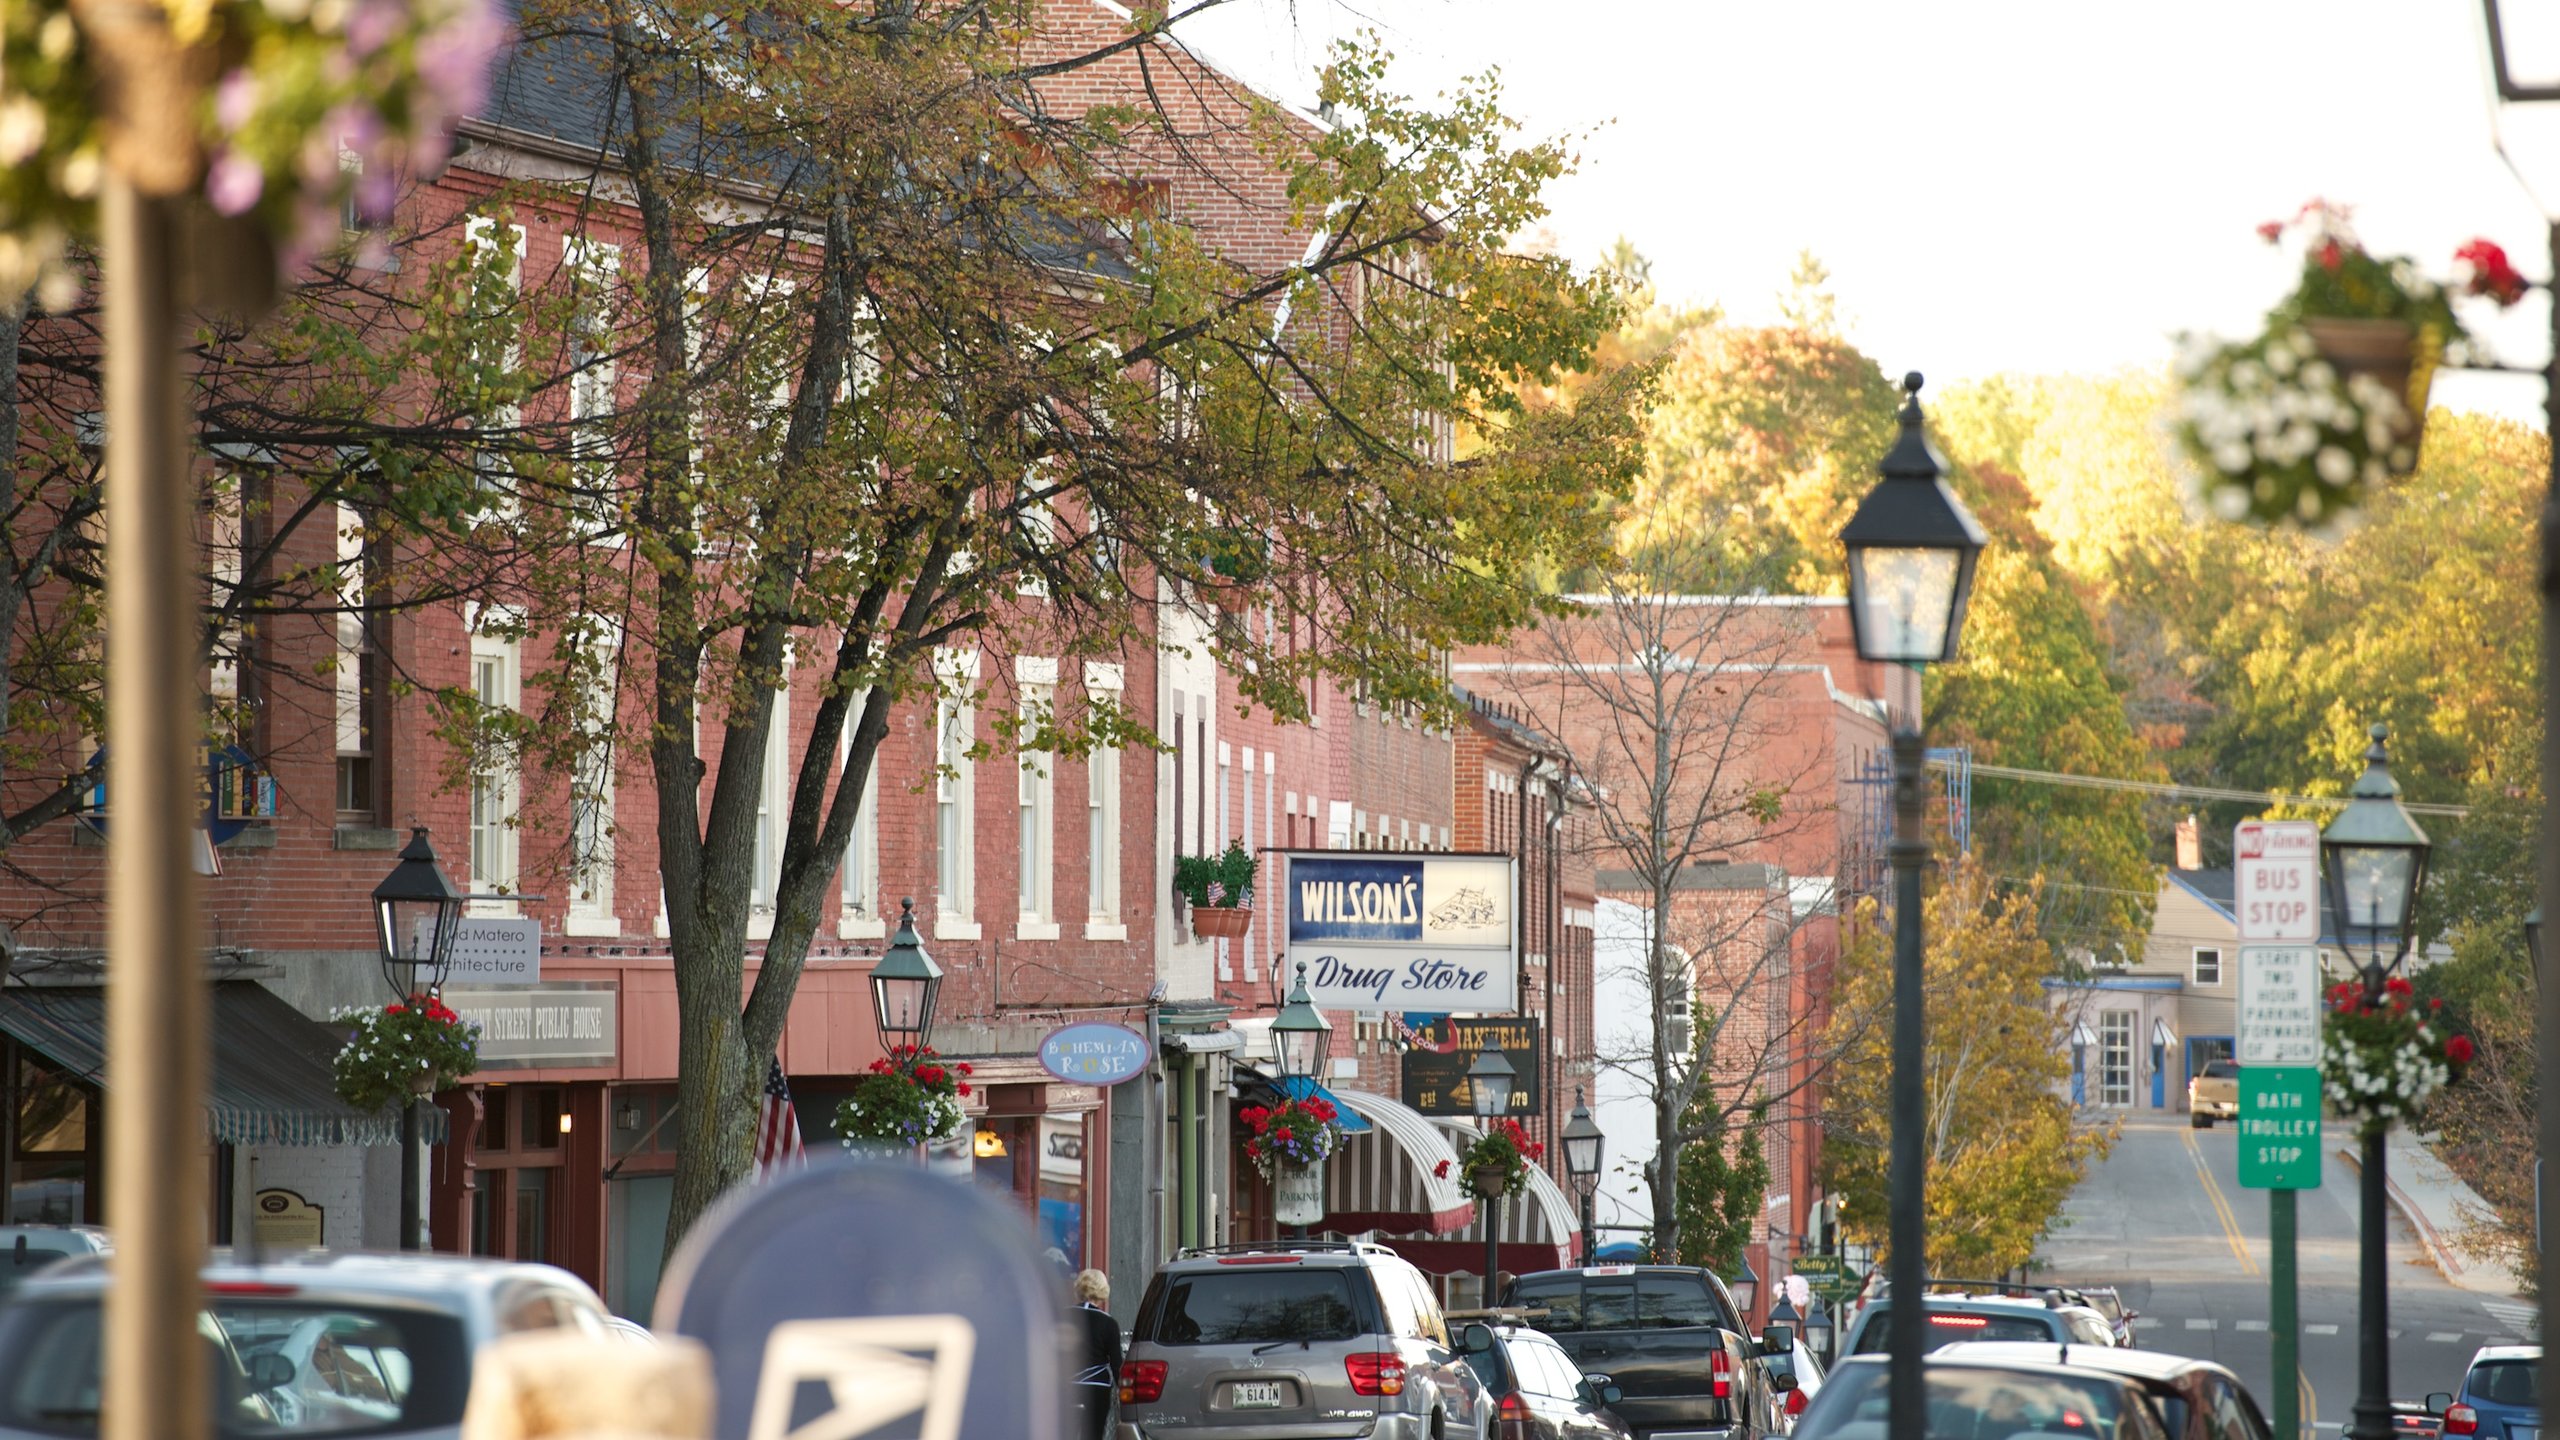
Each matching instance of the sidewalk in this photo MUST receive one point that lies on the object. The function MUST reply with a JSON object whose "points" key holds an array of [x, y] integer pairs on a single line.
{"points": [[2436, 1203]]}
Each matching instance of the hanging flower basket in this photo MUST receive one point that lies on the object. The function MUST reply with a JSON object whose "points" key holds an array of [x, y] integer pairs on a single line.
{"points": [[909, 1097], [2381, 1059], [2328, 402], [1220, 922], [1497, 1162], [1293, 1132], [398, 1052]]}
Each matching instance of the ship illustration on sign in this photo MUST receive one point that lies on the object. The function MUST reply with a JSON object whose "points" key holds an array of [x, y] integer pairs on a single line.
{"points": [[1467, 907]]}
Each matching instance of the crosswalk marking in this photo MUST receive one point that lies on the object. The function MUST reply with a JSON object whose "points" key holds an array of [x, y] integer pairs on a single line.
{"points": [[2148, 1322], [2441, 1337], [2252, 1325], [2320, 1329], [2513, 1315], [2199, 1324], [2394, 1335]]}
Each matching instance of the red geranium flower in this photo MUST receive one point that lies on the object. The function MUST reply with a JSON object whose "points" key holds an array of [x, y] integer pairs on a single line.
{"points": [[964, 1087], [1441, 1170], [2492, 274], [2272, 232], [2458, 1050], [2397, 985], [395, 1008]]}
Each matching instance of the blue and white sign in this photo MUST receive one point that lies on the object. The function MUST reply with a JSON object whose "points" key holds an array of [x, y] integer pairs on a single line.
{"points": [[1405, 932], [1093, 1053]]}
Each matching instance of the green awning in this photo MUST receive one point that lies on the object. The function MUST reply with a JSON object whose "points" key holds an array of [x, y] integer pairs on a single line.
{"points": [[271, 1081]]}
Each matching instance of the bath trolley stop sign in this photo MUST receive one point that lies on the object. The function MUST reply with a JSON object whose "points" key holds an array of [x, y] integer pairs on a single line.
{"points": [[2276, 899], [872, 1302]]}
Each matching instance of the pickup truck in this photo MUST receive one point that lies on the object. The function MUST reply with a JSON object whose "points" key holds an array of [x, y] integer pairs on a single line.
{"points": [[2214, 1094]]}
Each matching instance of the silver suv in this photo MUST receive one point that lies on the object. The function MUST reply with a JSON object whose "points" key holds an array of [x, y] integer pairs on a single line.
{"points": [[1296, 1338]]}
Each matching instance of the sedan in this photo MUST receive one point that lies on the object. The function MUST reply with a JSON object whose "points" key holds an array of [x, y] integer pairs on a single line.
{"points": [[1539, 1394]]}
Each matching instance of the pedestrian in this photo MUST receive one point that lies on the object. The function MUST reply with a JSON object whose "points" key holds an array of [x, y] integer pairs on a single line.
{"points": [[1094, 1364]]}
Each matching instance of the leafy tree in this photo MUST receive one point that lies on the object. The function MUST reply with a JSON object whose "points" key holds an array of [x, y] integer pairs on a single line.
{"points": [[1010, 404], [2003, 1149], [1723, 1179]]}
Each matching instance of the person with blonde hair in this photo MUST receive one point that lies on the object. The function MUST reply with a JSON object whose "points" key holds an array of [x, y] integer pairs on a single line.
{"points": [[1093, 1359]]}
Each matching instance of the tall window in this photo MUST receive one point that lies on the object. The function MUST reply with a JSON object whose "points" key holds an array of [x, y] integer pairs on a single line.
{"points": [[1034, 790], [357, 681], [2208, 966], [1104, 690], [773, 806], [494, 684], [497, 260], [2115, 1057], [591, 782], [858, 882], [954, 787], [591, 384]]}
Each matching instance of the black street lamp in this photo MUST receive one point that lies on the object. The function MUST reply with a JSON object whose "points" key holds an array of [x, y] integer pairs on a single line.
{"points": [[416, 911], [1583, 1142], [904, 985], [1745, 1285], [2375, 859], [1912, 547], [1301, 1032], [1818, 1331], [2533, 940], [1489, 1082]]}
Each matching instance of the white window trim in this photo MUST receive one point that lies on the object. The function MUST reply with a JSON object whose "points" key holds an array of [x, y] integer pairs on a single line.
{"points": [[773, 803], [955, 714], [598, 264], [593, 914], [2195, 964], [504, 874], [858, 916], [1036, 789], [1103, 861]]}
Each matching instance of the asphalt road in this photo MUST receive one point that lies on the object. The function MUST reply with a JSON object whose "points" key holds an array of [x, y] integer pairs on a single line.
{"points": [[2164, 1219]]}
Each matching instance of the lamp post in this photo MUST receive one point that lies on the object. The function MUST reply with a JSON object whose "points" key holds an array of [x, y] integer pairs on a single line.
{"points": [[1912, 547], [1489, 1095], [2375, 857], [1302, 1035], [1817, 1331], [1745, 1285], [415, 912], [904, 985], [1583, 1142], [2547, 877]]}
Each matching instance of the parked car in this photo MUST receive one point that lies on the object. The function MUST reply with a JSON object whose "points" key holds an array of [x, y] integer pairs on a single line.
{"points": [[2195, 1399], [1536, 1390], [2108, 1302], [2499, 1398], [2214, 1094], [321, 1342], [1801, 1366], [1953, 1319], [26, 1249], [1988, 1400], [1668, 1336], [1296, 1337]]}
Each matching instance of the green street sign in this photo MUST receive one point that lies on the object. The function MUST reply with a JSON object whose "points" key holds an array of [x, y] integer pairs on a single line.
{"points": [[2280, 1127], [1810, 1266]]}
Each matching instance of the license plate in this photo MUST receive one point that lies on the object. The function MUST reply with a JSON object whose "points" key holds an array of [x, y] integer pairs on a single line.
{"points": [[2522, 1432], [1255, 1395]]}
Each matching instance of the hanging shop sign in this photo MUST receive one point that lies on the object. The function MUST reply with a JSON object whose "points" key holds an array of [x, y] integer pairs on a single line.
{"points": [[562, 1024], [1094, 1053], [1435, 1069], [1297, 1194], [1387, 932], [488, 950]]}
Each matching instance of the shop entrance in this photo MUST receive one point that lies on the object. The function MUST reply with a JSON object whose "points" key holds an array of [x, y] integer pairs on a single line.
{"points": [[518, 1154]]}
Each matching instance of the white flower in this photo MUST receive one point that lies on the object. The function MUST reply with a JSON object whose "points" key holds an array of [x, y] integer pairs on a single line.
{"points": [[2318, 375], [2335, 465], [2232, 459]]}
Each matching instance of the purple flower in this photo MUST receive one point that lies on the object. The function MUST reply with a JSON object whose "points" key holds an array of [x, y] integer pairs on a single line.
{"points": [[453, 59], [233, 183], [372, 26], [235, 100], [376, 191]]}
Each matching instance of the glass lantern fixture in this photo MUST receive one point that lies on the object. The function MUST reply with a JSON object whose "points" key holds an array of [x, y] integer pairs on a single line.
{"points": [[1912, 547], [1583, 1140], [2375, 857], [1489, 1082], [416, 911], [904, 985], [1301, 1032]]}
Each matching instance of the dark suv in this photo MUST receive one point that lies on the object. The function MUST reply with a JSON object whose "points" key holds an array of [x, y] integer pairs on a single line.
{"points": [[1669, 1337], [1297, 1338]]}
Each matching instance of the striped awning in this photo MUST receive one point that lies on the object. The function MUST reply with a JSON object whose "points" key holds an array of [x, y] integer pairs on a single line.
{"points": [[1398, 1178], [271, 1064], [1542, 1214]]}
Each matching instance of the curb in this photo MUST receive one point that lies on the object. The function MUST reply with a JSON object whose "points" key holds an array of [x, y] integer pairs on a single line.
{"points": [[2439, 1253]]}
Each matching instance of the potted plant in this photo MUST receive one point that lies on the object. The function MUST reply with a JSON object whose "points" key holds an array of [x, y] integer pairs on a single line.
{"points": [[911, 1096], [2381, 1058], [1220, 889], [2326, 403], [1297, 1131], [400, 1051], [1498, 1161]]}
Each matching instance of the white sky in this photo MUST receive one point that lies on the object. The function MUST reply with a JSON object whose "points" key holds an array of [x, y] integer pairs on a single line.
{"points": [[2032, 186]]}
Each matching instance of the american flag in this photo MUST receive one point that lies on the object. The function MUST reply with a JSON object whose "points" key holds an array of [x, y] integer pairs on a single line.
{"points": [[777, 1128]]}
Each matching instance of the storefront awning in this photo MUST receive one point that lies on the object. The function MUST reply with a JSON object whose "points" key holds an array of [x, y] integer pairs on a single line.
{"points": [[1399, 1178], [1299, 1087], [271, 1080], [1539, 1229]]}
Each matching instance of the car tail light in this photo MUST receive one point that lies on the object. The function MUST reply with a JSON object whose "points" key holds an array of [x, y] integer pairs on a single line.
{"points": [[1723, 1373], [1795, 1401], [2461, 1420], [1141, 1382], [1959, 1322], [1375, 1374], [1511, 1422]]}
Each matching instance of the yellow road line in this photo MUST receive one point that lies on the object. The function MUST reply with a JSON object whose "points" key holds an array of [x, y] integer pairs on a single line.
{"points": [[2310, 1401], [2221, 1207]]}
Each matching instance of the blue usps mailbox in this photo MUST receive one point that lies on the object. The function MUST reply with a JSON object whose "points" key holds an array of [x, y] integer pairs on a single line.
{"points": [[872, 1300]]}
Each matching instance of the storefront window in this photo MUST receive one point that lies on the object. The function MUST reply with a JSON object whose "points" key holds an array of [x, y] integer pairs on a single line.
{"points": [[1062, 1144], [517, 1155], [49, 1143]]}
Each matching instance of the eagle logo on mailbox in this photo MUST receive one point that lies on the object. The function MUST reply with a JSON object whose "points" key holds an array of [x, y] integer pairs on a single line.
{"points": [[869, 1373]]}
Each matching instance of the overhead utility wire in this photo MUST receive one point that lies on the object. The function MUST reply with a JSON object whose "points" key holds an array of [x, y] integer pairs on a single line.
{"points": [[2192, 792]]}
